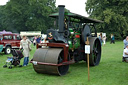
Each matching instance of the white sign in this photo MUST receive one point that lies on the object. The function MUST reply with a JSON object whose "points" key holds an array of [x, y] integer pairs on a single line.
{"points": [[87, 49]]}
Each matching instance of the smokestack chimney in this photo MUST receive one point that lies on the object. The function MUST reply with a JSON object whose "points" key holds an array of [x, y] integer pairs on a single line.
{"points": [[61, 19]]}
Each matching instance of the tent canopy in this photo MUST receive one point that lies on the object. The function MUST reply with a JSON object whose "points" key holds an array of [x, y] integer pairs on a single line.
{"points": [[5, 32]]}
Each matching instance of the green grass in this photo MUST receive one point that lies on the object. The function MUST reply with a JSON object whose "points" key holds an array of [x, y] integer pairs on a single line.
{"points": [[110, 71]]}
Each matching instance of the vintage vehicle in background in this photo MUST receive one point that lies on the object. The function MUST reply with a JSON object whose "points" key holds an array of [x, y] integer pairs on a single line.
{"points": [[9, 41]]}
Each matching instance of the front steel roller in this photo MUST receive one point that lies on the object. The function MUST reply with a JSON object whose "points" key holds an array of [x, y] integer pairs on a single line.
{"points": [[50, 55], [95, 51]]}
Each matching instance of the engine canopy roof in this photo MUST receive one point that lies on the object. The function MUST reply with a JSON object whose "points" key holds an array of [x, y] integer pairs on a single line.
{"points": [[77, 18]]}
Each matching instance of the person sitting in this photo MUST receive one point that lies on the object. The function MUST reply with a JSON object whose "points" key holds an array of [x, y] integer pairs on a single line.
{"points": [[125, 54], [125, 41]]}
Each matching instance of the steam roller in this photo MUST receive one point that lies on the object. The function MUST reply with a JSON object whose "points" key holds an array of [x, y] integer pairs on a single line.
{"points": [[66, 44]]}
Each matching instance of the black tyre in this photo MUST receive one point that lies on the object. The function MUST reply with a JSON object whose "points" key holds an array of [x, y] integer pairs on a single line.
{"points": [[95, 54], [85, 32], [62, 70], [7, 50], [20, 65], [4, 66], [10, 67]]}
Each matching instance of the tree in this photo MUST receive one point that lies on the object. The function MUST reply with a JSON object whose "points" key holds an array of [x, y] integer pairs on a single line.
{"points": [[114, 13], [2, 18], [29, 15]]}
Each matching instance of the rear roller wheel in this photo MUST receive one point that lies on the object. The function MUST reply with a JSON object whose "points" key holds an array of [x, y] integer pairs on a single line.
{"points": [[50, 55], [64, 68], [95, 54]]}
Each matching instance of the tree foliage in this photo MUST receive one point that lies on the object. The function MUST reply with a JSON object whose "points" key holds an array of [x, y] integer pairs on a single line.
{"points": [[114, 13], [27, 15]]}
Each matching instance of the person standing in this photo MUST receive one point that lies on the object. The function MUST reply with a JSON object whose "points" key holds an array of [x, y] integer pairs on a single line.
{"points": [[112, 39], [34, 41], [1, 37], [104, 40], [38, 40], [25, 44], [100, 39]]}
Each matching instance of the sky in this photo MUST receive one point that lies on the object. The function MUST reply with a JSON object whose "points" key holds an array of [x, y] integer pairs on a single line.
{"points": [[3, 2], [75, 6]]}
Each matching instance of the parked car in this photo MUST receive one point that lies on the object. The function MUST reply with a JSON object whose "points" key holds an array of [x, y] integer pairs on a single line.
{"points": [[1, 48], [9, 41]]}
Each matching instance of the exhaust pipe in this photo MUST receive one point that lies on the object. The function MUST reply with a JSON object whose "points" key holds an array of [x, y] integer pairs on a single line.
{"points": [[61, 19]]}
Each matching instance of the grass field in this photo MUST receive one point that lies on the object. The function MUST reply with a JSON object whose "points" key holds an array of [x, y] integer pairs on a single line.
{"points": [[110, 71]]}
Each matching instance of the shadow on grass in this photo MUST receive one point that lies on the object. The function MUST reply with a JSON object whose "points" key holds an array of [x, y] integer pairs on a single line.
{"points": [[79, 64], [2, 53]]}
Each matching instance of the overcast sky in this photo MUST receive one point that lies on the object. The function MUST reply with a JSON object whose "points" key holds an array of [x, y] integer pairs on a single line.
{"points": [[3, 2], [75, 6]]}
